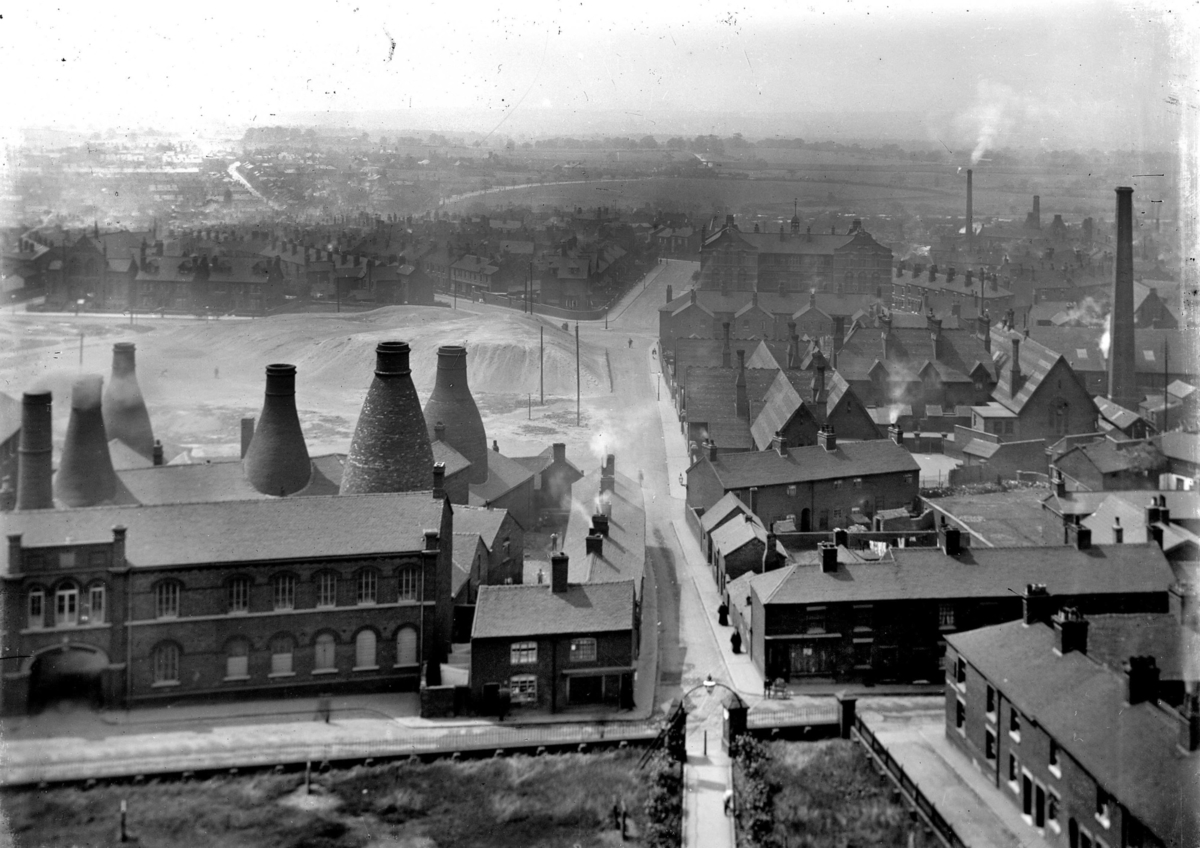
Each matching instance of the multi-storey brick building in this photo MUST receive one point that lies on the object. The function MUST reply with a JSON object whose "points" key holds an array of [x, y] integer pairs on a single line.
{"points": [[845, 618], [821, 486], [553, 645], [263, 598], [1091, 754], [851, 263]]}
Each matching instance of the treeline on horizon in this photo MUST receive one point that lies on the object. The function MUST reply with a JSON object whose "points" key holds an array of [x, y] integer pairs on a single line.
{"points": [[706, 145]]}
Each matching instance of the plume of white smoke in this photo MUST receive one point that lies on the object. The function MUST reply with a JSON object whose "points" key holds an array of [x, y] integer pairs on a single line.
{"points": [[1106, 338], [1086, 313], [991, 116]]}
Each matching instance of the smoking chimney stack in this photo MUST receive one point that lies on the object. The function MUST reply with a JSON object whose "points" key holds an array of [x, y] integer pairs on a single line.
{"points": [[34, 470], [276, 463], [970, 210], [1122, 389], [85, 476], [125, 415], [452, 404], [390, 451]]}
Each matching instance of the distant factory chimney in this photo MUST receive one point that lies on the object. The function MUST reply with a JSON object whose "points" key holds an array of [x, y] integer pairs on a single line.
{"points": [[390, 450], [1122, 388], [85, 475], [34, 469], [452, 404], [970, 210], [124, 410], [276, 463]]}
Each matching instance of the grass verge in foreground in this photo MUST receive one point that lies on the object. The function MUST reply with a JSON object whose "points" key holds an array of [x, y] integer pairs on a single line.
{"points": [[508, 801]]}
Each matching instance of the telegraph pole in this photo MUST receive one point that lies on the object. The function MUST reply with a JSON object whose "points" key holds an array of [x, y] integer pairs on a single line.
{"points": [[542, 363], [578, 390]]}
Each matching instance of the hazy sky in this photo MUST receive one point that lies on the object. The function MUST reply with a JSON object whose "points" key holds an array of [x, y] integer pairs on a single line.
{"points": [[1023, 71]]}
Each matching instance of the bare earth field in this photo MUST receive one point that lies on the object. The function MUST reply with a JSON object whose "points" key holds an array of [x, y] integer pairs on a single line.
{"points": [[200, 378]]}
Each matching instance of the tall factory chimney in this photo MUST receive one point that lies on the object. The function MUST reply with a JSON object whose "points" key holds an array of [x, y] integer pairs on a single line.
{"points": [[1122, 387], [970, 211], [452, 404], [390, 451], [34, 470], [85, 475], [125, 415], [277, 463]]}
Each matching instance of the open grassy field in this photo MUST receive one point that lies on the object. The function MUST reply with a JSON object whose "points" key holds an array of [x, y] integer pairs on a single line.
{"points": [[515, 801]]}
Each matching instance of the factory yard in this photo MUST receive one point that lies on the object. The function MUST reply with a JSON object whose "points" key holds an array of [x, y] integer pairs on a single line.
{"points": [[200, 377]]}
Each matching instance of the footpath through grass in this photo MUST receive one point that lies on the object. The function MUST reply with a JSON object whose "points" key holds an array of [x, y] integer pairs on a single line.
{"points": [[515, 801], [817, 795]]}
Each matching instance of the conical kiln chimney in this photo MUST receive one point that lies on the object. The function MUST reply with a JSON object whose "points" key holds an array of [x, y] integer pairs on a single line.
{"points": [[125, 415], [85, 476], [452, 404], [390, 451], [34, 469], [277, 462]]}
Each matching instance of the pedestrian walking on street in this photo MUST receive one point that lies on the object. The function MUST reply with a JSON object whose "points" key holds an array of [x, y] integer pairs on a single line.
{"points": [[735, 641], [631, 342], [553, 542]]}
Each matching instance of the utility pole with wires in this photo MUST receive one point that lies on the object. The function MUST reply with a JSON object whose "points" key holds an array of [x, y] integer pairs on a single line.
{"points": [[578, 389], [542, 363]]}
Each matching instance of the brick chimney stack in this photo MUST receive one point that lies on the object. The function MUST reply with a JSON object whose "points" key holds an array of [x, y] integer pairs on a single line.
{"points": [[741, 399], [1122, 386], [826, 438], [277, 463], [34, 455], [1036, 604], [1141, 680], [1072, 631]]}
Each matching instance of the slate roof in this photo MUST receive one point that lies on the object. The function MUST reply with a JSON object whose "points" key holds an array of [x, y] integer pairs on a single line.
{"points": [[504, 475], [206, 482], [1131, 751], [482, 522], [1106, 458], [729, 504], [978, 573], [540, 462], [1183, 505], [830, 303], [1113, 639], [623, 552], [813, 462], [734, 535], [455, 461], [515, 612], [1182, 348], [172, 269], [1036, 362], [1180, 446], [1115, 414], [273, 529], [909, 350]]}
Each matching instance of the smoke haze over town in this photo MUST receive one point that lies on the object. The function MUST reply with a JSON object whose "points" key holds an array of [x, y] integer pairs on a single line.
{"points": [[1023, 74]]}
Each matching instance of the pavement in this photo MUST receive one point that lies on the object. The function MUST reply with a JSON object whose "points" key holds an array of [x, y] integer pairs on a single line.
{"points": [[979, 812]]}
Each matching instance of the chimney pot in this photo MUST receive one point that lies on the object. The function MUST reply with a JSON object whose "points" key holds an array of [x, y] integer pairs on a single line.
{"points": [[829, 557], [594, 544], [158, 452], [600, 524], [1072, 630], [1035, 604], [826, 438], [1141, 680]]}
